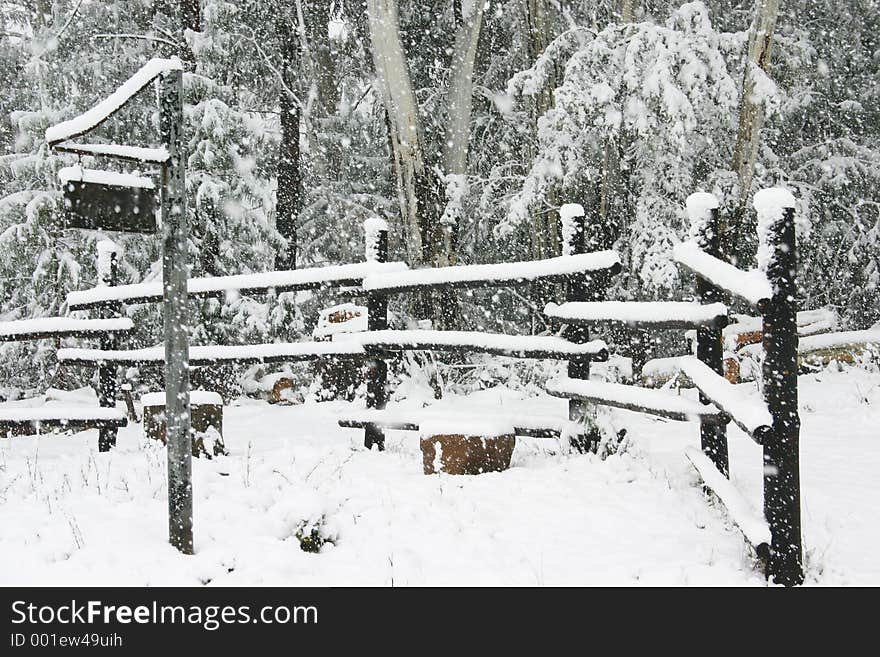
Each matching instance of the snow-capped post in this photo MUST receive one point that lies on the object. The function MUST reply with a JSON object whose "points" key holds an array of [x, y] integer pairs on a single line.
{"points": [[175, 274], [704, 214], [574, 242], [777, 257], [376, 246], [108, 268]]}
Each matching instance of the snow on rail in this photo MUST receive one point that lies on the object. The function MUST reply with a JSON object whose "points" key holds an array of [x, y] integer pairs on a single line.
{"points": [[61, 415], [632, 398], [101, 177], [753, 526], [281, 281], [749, 414], [499, 344], [534, 426], [501, 274], [120, 151], [838, 340], [752, 286], [669, 314], [60, 327], [94, 117], [209, 354]]}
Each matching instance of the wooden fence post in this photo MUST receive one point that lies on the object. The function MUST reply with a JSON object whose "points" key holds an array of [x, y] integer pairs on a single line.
{"points": [[376, 243], [175, 234], [579, 287], [706, 222], [782, 500], [108, 272]]}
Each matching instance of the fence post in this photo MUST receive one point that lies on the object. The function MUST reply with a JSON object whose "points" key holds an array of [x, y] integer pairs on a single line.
{"points": [[175, 233], [705, 224], [108, 272], [578, 288], [782, 501], [376, 243]]}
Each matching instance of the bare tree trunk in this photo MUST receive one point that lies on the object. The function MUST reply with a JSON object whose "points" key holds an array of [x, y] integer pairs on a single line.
{"points": [[190, 19], [544, 238], [395, 87], [288, 196], [317, 17], [751, 119]]}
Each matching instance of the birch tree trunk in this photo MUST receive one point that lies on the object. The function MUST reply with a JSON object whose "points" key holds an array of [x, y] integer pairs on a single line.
{"points": [[751, 119], [415, 179], [459, 106]]}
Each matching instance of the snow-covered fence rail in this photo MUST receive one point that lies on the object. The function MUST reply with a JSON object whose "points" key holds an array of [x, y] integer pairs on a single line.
{"points": [[577, 267], [44, 328], [295, 280], [107, 329]]}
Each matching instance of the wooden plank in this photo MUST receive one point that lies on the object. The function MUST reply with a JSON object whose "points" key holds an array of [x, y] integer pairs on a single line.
{"points": [[297, 280], [397, 425], [638, 314], [753, 527], [496, 275], [631, 398], [92, 206], [212, 355], [125, 153], [21, 330], [749, 415], [467, 342]]}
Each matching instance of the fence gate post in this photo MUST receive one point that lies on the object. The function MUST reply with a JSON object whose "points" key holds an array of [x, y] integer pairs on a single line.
{"points": [[108, 271], [376, 242], [706, 221], [782, 498], [578, 288], [175, 234]]}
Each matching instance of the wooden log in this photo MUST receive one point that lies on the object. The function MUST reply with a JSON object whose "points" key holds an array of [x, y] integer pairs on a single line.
{"points": [[206, 426]]}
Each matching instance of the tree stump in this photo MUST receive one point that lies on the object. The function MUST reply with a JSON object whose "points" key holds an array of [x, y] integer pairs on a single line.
{"points": [[206, 421], [466, 446]]}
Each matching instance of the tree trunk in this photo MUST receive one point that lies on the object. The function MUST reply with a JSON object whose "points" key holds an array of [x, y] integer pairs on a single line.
{"points": [[288, 196], [544, 237], [751, 119], [395, 87]]}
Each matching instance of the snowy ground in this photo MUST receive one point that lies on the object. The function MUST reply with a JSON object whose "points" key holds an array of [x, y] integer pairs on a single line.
{"points": [[72, 516]]}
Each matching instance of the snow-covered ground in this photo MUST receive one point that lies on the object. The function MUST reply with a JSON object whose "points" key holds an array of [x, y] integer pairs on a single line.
{"points": [[72, 516]]}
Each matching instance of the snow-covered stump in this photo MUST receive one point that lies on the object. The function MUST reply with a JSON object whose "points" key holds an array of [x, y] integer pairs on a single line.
{"points": [[469, 446], [376, 245], [579, 287], [703, 211], [108, 275], [206, 427], [777, 256]]}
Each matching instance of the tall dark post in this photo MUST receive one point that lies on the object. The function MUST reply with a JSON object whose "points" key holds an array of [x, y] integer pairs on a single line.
{"points": [[107, 384], [578, 288], [782, 499], [288, 196], [377, 320], [713, 437], [175, 231]]}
